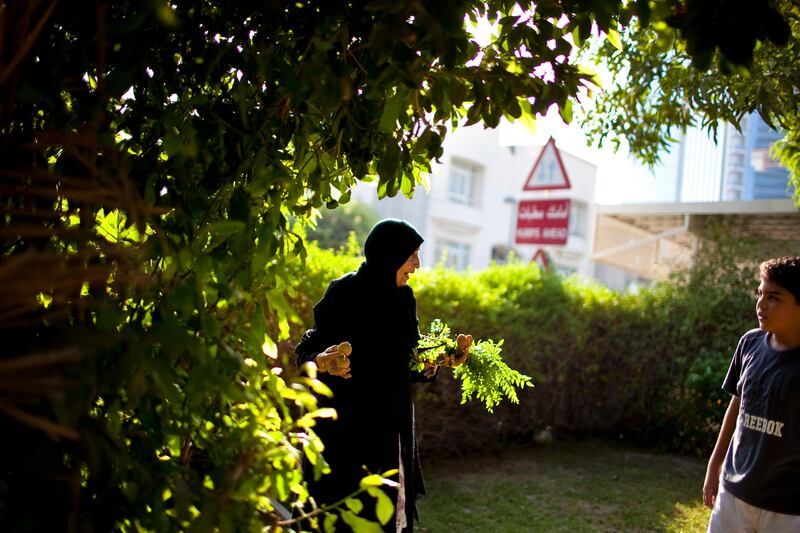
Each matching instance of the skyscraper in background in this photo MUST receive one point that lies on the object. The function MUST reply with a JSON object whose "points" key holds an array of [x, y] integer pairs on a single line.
{"points": [[739, 166], [764, 178]]}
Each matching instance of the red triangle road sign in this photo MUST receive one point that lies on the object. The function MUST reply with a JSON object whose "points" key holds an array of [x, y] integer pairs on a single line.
{"points": [[541, 259], [548, 172]]}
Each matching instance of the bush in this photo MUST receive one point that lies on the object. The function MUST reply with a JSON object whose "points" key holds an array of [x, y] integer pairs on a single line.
{"points": [[334, 227], [647, 366]]}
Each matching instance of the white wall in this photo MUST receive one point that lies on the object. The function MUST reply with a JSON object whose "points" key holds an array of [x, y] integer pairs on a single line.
{"points": [[486, 224]]}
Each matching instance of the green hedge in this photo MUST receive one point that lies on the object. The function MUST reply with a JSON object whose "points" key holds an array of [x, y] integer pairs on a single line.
{"points": [[645, 367]]}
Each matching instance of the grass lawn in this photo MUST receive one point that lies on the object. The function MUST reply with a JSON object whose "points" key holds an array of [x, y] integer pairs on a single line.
{"points": [[588, 486]]}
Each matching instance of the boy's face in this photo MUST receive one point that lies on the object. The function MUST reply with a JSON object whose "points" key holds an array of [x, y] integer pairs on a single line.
{"points": [[777, 309]]}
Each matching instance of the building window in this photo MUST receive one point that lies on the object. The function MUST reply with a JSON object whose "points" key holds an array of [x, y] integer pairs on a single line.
{"points": [[577, 219], [452, 254], [566, 271], [464, 183], [500, 253]]}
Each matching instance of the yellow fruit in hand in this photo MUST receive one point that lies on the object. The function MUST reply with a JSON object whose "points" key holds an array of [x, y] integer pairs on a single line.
{"points": [[345, 348], [463, 341]]}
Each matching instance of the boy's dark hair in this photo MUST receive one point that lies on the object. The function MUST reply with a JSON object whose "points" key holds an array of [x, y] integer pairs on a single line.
{"points": [[785, 271]]}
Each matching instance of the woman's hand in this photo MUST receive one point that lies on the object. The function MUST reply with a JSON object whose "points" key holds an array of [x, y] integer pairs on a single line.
{"points": [[460, 355], [430, 370], [335, 360]]}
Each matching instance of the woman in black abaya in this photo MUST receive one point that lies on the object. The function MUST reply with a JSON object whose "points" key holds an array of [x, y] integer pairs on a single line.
{"points": [[375, 311]]}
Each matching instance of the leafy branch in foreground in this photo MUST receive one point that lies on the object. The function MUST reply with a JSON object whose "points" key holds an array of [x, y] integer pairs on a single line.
{"points": [[351, 506], [484, 375]]}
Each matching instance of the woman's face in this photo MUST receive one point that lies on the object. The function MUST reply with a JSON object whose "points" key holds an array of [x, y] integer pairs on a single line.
{"points": [[408, 268]]}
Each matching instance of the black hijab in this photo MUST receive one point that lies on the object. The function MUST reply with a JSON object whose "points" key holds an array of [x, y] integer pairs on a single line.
{"points": [[389, 244]]}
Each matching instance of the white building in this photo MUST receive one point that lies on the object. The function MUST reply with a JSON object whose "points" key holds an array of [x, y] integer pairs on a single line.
{"points": [[468, 215]]}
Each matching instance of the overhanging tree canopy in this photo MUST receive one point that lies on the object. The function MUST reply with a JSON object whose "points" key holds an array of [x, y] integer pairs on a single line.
{"points": [[657, 90]]}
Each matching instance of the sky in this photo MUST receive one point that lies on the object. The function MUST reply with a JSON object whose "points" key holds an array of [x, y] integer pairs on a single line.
{"points": [[620, 178]]}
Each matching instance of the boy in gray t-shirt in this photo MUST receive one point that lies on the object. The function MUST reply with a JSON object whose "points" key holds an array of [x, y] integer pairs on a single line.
{"points": [[760, 435]]}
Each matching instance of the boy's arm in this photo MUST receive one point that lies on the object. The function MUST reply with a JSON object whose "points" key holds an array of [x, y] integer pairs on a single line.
{"points": [[711, 484]]}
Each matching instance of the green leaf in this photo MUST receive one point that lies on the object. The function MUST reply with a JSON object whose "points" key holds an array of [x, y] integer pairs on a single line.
{"points": [[407, 185], [513, 109], [388, 165], [529, 121], [222, 229], [566, 111], [576, 36], [614, 38], [269, 347], [594, 77], [324, 412], [372, 480], [360, 525], [330, 522], [391, 111], [384, 508], [354, 504], [239, 206]]}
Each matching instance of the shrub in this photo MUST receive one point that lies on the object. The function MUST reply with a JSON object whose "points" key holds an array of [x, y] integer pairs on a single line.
{"points": [[647, 366]]}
